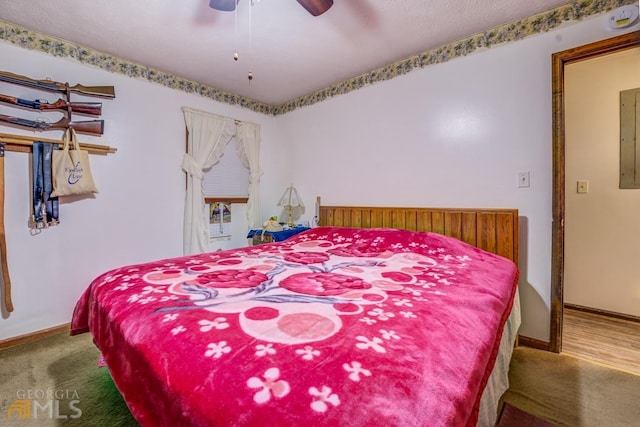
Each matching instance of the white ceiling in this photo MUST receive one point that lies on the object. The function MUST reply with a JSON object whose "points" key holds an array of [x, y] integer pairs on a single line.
{"points": [[290, 52]]}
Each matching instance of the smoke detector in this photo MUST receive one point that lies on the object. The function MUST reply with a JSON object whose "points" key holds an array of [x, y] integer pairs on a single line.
{"points": [[623, 17]]}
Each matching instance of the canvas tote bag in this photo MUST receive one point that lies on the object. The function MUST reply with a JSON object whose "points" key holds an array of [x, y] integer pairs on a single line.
{"points": [[70, 169]]}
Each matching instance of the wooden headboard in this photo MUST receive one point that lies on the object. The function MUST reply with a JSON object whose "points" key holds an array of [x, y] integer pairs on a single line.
{"points": [[494, 230]]}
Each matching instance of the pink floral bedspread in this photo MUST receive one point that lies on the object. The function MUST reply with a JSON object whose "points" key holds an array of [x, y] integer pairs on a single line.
{"points": [[332, 327]]}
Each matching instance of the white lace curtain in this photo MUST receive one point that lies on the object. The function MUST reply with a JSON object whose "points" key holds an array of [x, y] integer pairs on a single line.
{"points": [[208, 136]]}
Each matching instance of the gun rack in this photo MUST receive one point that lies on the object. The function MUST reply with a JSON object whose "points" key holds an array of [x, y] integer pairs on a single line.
{"points": [[23, 144]]}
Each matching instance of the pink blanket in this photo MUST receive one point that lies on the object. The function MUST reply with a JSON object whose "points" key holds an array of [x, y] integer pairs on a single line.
{"points": [[334, 326]]}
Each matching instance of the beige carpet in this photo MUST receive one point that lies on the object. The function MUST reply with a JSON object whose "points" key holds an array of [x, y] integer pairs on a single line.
{"points": [[561, 389], [64, 369]]}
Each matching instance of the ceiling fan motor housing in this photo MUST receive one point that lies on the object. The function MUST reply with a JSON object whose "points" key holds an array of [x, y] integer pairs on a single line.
{"points": [[314, 7]]}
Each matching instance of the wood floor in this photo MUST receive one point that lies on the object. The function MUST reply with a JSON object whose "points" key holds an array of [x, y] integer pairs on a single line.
{"points": [[607, 340]]}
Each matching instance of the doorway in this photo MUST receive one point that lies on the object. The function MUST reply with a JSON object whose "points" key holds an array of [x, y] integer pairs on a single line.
{"points": [[559, 60]]}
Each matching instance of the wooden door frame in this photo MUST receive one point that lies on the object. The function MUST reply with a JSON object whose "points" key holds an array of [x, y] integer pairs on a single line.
{"points": [[558, 62]]}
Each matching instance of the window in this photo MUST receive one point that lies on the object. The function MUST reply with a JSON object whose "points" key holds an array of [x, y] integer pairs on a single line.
{"points": [[225, 183]]}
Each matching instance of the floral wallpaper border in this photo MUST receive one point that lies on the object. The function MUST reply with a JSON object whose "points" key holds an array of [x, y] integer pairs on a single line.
{"points": [[574, 11]]}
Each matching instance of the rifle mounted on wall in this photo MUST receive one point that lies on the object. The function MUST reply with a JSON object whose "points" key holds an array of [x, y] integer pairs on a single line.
{"points": [[91, 127], [53, 86], [91, 108]]}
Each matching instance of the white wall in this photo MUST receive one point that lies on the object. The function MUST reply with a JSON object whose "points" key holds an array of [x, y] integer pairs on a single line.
{"points": [[601, 227], [450, 135], [454, 134], [136, 217]]}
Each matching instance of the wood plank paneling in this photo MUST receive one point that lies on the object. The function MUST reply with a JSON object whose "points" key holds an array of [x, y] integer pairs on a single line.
{"points": [[398, 219], [409, 218], [356, 218], [453, 224], [437, 222], [386, 217], [468, 228], [366, 219], [487, 236], [507, 236], [424, 220], [494, 230]]}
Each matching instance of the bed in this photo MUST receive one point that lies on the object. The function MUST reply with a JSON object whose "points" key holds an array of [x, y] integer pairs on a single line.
{"points": [[377, 317]]}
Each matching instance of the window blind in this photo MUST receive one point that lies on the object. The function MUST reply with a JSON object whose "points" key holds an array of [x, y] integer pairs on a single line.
{"points": [[228, 177]]}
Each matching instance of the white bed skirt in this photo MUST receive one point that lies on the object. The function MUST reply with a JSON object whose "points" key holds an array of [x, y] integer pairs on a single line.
{"points": [[499, 380]]}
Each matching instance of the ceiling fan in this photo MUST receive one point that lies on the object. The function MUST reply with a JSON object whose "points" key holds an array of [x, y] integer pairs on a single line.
{"points": [[314, 7]]}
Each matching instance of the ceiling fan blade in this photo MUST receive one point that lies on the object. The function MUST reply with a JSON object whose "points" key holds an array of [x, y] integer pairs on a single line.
{"points": [[316, 7], [223, 5]]}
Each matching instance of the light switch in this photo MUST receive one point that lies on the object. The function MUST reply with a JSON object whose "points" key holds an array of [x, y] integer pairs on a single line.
{"points": [[583, 186], [523, 179]]}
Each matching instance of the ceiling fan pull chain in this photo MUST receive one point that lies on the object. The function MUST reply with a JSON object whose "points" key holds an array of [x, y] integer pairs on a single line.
{"points": [[250, 76], [235, 23]]}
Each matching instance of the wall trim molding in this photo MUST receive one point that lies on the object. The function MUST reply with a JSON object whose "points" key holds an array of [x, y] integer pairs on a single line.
{"points": [[33, 336], [510, 32], [600, 312], [533, 343]]}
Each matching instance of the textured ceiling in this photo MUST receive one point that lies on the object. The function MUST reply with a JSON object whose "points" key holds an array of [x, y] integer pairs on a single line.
{"points": [[289, 52]]}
